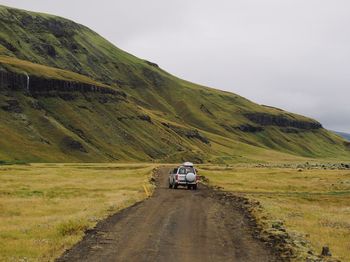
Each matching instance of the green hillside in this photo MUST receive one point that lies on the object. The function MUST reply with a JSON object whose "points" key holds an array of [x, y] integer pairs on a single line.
{"points": [[86, 100]]}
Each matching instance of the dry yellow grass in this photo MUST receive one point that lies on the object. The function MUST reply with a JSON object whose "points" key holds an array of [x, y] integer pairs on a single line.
{"points": [[314, 203], [44, 208]]}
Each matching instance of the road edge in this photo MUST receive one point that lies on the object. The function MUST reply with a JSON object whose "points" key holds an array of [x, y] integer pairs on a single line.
{"points": [[274, 235], [92, 232]]}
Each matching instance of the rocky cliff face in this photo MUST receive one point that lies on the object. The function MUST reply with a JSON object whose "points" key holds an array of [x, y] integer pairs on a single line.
{"points": [[37, 86], [265, 119], [12, 81], [188, 133]]}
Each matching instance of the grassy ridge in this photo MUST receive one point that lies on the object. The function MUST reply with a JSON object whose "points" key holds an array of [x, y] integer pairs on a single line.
{"points": [[161, 118]]}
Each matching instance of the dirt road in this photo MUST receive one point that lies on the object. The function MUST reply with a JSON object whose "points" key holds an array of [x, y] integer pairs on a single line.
{"points": [[173, 225]]}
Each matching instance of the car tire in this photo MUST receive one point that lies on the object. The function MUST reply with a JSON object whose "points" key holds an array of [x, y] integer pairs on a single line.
{"points": [[170, 186], [189, 187], [174, 186], [194, 187]]}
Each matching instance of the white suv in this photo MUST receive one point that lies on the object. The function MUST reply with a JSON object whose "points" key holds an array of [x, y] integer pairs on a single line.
{"points": [[184, 175]]}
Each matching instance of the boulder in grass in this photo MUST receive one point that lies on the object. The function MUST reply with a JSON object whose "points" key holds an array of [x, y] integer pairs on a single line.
{"points": [[326, 252]]}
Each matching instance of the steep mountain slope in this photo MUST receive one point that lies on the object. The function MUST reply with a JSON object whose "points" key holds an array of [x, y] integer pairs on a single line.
{"points": [[67, 94]]}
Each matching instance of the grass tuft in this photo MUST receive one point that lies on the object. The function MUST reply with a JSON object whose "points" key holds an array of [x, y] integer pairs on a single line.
{"points": [[72, 227]]}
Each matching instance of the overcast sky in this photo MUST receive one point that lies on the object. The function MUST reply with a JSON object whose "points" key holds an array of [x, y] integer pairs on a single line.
{"points": [[292, 54]]}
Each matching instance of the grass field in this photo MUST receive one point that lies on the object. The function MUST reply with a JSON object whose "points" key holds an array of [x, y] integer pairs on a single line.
{"points": [[45, 208], [314, 204]]}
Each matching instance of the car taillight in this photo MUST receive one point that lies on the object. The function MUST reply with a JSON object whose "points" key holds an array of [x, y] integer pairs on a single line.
{"points": [[177, 177]]}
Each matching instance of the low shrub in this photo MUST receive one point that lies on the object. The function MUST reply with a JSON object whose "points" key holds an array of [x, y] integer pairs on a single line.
{"points": [[72, 227]]}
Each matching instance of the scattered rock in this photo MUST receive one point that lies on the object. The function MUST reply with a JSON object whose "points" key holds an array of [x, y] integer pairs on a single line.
{"points": [[326, 252], [278, 225], [189, 133], [50, 50], [244, 128], [146, 118], [290, 130], [35, 105], [196, 135], [250, 128], [151, 64], [8, 45], [153, 77], [205, 110], [12, 106], [309, 166], [72, 144]]}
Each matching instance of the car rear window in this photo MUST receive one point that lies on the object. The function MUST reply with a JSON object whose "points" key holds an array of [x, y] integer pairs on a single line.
{"points": [[186, 170]]}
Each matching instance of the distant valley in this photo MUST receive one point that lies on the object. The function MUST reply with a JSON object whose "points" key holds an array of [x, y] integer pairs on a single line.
{"points": [[344, 135]]}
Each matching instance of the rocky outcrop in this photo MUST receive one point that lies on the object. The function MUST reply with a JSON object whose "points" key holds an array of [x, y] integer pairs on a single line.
{"points": [[188, 133], [38, 86], [12, 106], [347, 144], [250, 128], [290, 130], [244, 128], [146, 118], [8, 45], [59, 28], [12, 81], [266, 119], [205, 110], [41, 85], [72, 144], [151, 64], [154, 78]]}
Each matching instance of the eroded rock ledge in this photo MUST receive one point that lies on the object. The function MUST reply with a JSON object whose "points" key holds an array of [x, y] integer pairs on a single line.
{"points": [[188, 133], [42, 86], [266, 119]]}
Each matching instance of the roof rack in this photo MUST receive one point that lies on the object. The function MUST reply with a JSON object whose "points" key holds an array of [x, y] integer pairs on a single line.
{"points": [[188, 164]]}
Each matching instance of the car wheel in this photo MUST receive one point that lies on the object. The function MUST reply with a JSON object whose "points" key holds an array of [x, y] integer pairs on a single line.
{"points": [[170, 186], [174, 185], [194, 187], [189, 187]]}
